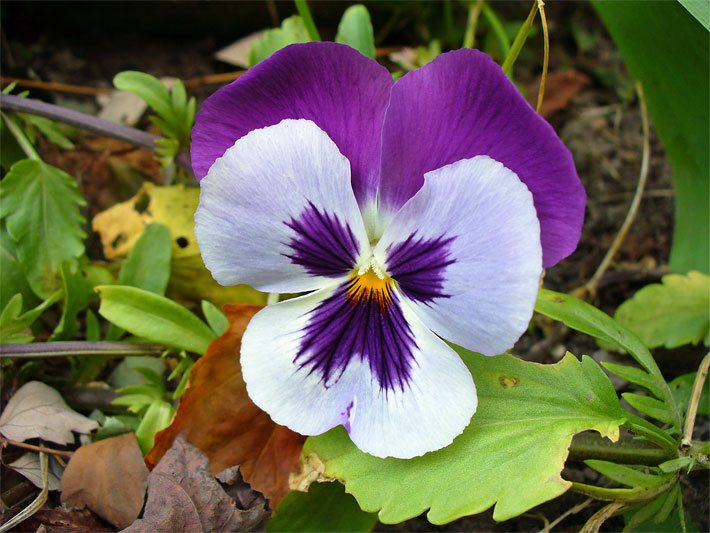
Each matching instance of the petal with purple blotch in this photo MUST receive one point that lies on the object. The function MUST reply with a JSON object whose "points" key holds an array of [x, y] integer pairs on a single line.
{"points": [[462, 105], [331, 84], [356, 355], [277, 211], [465, 252]]}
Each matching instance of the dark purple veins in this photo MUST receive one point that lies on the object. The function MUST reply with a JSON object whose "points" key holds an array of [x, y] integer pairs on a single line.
{"points": [[322, 244], [418, 265], [359, 322]]}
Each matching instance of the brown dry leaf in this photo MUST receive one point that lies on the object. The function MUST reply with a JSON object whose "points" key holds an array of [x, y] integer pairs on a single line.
{"points": [[63, 521], [38, 411], [218, 417], [560, 88], [184, 496], [109, 477]]}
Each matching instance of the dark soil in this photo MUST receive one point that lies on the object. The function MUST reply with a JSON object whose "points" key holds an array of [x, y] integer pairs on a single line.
{"points": [[89, 43]]}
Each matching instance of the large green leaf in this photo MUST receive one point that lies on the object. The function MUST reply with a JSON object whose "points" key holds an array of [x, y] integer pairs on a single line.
{"points": [[40, 205], [355, 29], [325, 507], [510, 455], [292, 30], [671, 313], [154, 318], [668, 50]]}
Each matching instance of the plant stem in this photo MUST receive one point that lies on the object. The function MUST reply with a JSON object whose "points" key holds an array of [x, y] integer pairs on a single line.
{"points": [[497, 28], [305, 12], [21, 138], [692, 411], [79, 348], [36, 448], [474, 11], [84, 121], [37, 503], [546, 57], [637, 494], [627, 451], [519, 41]]}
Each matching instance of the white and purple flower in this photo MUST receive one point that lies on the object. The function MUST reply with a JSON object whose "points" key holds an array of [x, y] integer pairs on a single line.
{"points": [[414, 211]]}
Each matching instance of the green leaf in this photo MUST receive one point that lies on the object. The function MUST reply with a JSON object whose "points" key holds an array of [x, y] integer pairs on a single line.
{"points": [[355, 30], [113, 426], [50, 130], [11, 151], [154, 318], [12, 277], [625, 474], [636, 376], [158, 416], [292, 30], [76, 299], [215, 318], [150, 89], [127, 374], [672, 313], [700, 9], [148, 265], [668, 50], [682, 387], [325, 507], [13, 322], [40, 205], [511, 454], [649, 406], [675, 464]]}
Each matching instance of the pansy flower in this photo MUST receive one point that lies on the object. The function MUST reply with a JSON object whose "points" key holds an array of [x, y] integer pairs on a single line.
{"points": [[408, 212]]}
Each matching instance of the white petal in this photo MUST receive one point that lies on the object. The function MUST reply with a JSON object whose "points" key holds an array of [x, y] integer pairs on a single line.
{"points": [[268, 178], [432, 408], [491, 286]]}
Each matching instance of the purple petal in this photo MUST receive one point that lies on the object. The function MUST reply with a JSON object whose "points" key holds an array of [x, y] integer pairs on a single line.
{"points": [[333, 85], [462, 105]]}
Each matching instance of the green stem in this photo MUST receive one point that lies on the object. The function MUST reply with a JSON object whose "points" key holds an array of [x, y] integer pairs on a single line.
{"points": [[305, 12], [21, 138], [78, 348], [519, 40], [637, 494], [625, 451], [643, 428], [474, 11], [498, 29]]}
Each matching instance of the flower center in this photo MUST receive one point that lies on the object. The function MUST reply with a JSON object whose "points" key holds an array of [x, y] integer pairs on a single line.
{"points": [[370, 287]]}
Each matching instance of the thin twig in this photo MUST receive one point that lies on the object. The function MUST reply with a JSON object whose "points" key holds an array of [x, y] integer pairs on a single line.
{"points": [[474, 12], [213, 79], [38, 502], [20, 137], [34, 448], [79, 348], [55, 86], [591, 286], [601, 516], [87, 122], [546, 56], [574, 510], [692, 411]]}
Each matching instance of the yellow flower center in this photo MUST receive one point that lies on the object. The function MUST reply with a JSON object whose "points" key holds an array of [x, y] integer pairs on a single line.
{"points": [[369, 287]]}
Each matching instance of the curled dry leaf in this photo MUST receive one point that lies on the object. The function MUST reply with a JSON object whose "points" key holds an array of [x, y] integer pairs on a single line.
{"points": [[63, 521], [29, 466], [184, 496], [561, 87], [109, 477], [38, 411], [218, 417]]}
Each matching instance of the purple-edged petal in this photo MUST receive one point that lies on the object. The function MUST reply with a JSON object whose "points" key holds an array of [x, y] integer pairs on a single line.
{"points": [[465, 251], [311, 385], [461, 105], [333, 85], [277, 211]]}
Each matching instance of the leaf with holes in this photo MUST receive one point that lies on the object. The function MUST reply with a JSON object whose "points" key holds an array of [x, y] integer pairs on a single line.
{"points": [[511, 454]]}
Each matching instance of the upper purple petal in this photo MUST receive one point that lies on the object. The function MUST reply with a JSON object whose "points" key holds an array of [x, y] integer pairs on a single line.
{"points": [[462, 105], [333, 85]]}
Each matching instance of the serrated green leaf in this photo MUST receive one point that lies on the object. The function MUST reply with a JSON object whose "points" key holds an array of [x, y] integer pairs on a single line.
{"points": [[41, 208], [215, 318], [625, 474], [292, 30], [671, 313], [355, 30], [325, 507], [154, 318], [76, 299], [156, 418], [510, 455], [668, 50], [12, 276], [649, 406], [149, 88], [148, 264]]}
